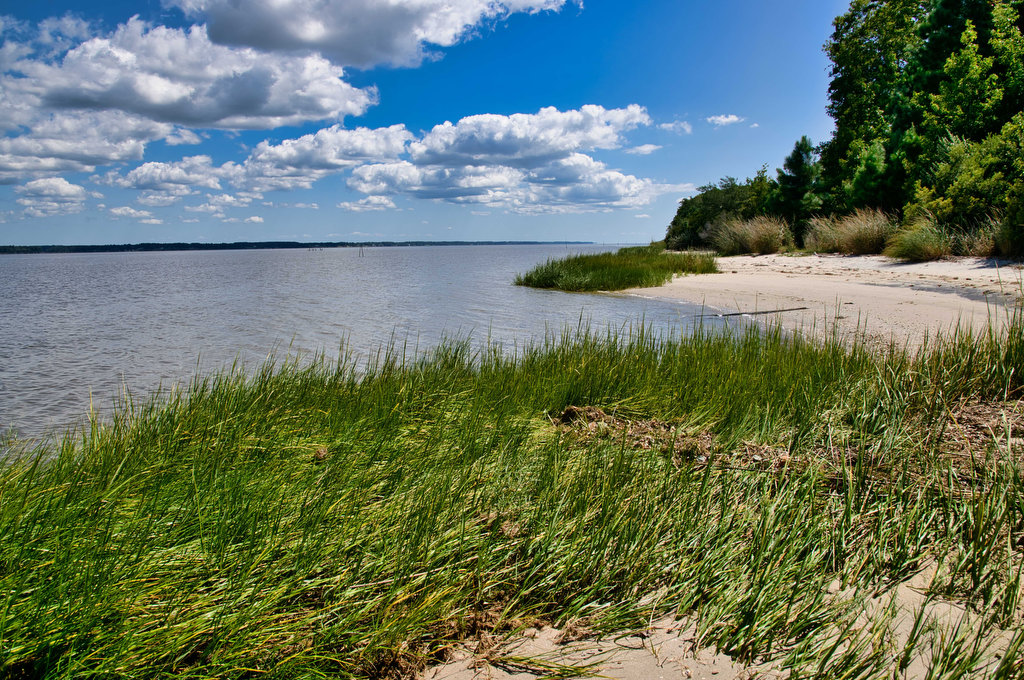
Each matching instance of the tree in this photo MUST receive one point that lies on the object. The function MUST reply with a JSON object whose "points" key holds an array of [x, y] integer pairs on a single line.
{"points": [[795, 197], [717, 202], [870, 48], [968, 98]]}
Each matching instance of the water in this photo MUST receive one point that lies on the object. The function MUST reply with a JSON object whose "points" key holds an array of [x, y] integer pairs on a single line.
{"points": [[78, 329]]}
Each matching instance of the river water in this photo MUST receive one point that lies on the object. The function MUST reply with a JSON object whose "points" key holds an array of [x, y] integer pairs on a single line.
{"points": [[77, 329]]}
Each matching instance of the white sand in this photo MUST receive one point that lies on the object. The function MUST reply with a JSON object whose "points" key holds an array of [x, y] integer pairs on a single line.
{"points": [[871, 296]]}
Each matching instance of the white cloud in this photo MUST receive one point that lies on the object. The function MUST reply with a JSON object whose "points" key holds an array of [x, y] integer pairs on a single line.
{"points": [[575, 183], [755, 125], [459, 184], [301, 162], [255, 219], [524, 163], [723, 120], [177, 178], [178, 76], [127, 211], [642, 216], [53, 187], [370, 203], [679, 127], [63, 142], [51, 196], [524, 139], [182, 136], [643, 149], [353, 32]]}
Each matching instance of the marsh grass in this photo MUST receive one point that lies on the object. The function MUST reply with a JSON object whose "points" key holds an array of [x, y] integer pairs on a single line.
{"points": [[633, 267], [335, 520]]}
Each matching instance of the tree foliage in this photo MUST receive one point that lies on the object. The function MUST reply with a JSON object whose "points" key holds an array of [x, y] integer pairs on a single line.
{"points": [[715, 203], [927, 98]]}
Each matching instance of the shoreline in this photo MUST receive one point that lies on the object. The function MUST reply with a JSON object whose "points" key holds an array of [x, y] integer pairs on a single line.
{"points": [[867, 297]]}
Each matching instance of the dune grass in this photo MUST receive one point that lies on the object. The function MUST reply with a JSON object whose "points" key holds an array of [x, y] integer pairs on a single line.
{"points": [[334, 520], [864, 232], [634, 267], [761, 235], [920, 242]]}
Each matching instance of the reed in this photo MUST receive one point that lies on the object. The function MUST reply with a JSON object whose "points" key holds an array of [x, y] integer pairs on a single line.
{"points": [[329, 519], [634, 267]]}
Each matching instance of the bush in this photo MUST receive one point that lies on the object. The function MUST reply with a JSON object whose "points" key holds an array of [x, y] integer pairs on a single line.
{"points": [[1008, 239], [979, 242], [822, 235], [865, 232], [920, 242], [761, 235]]}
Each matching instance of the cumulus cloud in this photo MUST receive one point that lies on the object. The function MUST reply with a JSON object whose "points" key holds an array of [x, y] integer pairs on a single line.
{"points": [[458, 184], [71, 101], [370, 203], [254, 219], [679, 127], [62, 142], [524, 163], [178, 76], [643, 149], [723, 120], [50, 196], [127, 211], [174, 179], [358, 33], [301, 162], [525, 139], [182, 136]]}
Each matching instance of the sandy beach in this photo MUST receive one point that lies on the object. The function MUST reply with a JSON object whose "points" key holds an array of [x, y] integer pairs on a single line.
{"points": [[872, 297]]}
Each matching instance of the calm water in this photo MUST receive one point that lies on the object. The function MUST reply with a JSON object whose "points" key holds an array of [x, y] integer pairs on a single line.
{"points": [[75, 327]]}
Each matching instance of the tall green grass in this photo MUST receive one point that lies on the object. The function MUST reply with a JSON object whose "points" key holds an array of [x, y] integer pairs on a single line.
{"points": [[335, 520], [634, 267]]}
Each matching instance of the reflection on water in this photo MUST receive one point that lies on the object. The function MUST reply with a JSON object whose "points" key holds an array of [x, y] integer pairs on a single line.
{"points": [[93, 324]]}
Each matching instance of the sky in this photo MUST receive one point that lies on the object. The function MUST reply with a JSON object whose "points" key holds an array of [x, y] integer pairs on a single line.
{"points": [[393, 120]]}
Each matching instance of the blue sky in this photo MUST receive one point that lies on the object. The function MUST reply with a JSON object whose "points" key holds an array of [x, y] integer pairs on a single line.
{"points": [[349, 120]]}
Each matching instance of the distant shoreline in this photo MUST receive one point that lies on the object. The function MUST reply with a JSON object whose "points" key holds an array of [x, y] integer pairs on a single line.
{"points": [[262, 245]]}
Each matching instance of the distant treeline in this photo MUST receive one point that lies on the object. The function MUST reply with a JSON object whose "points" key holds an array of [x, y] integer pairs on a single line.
{"points": [[928, 102], [260, 245]]}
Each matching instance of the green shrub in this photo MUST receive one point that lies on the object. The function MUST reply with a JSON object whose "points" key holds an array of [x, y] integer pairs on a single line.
{"points": [[761, 235], [920, 242]]}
